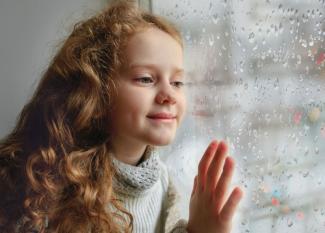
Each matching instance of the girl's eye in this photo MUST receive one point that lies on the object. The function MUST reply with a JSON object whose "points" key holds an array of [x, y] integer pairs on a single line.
{"points": [[179, 84], [145, 79]]}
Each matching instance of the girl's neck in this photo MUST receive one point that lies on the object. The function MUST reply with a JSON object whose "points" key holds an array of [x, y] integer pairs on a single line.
{"points": [[127, 154]]}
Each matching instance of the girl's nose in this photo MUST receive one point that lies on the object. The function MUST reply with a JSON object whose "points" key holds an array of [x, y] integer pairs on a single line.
{"points": [[165, 96]]}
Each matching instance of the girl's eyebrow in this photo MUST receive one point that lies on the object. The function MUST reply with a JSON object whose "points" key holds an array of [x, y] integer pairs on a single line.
{"points": [[176, 70]]}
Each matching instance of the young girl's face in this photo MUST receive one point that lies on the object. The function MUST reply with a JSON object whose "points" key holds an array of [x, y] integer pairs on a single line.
{"points": [[148, 84]]}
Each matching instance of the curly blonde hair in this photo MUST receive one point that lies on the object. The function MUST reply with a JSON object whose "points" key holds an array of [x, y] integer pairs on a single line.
{"points": [[55, 175]]}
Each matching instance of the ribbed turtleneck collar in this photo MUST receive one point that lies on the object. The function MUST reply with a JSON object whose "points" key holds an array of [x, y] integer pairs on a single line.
{"points": [[137, 180]]}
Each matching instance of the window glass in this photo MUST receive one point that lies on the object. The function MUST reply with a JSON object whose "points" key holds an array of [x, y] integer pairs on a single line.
{"points": [[257, 79]]}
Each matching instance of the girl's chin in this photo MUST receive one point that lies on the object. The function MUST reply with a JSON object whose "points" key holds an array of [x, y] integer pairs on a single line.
{"points": [[162, 141]]}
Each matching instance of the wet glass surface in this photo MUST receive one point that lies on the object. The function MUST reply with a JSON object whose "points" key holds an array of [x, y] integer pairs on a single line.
{"points": [[256, 73]]}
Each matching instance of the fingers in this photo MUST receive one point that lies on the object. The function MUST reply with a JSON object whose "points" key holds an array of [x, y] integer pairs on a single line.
{"points": [[216, 165], [205, 163], [230, 207], [224, 182], [215, 172]]}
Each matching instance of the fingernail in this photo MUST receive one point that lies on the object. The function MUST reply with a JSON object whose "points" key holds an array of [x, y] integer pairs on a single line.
{"points": [[214, 143], [221, 145]]}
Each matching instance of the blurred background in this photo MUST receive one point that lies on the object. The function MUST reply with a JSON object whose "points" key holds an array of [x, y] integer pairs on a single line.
{"points": [[256, 78]]}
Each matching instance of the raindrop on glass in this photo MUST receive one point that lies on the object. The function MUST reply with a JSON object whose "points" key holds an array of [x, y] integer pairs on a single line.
{"points": [[289, 223], [211, 40], [251, 37], [215, 18]]}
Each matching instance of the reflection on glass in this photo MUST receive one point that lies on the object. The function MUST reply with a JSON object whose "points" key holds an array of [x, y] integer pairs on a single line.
{"points": [[257, 79]]}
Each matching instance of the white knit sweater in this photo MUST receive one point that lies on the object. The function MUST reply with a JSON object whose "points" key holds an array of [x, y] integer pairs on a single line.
{"points": [[149, 195]]}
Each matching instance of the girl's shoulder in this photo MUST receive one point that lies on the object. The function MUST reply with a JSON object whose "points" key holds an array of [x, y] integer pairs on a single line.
{"points": [[171, 216]]}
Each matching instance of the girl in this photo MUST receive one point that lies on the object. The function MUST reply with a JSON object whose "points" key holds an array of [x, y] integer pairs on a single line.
{"points": [[82, 156]]}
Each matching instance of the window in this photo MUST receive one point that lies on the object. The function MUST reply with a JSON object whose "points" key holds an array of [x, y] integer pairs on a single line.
{"points": [[258, 80]]}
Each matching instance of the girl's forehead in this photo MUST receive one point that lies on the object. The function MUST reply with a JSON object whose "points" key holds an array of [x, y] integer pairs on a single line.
{"points": [[153, 46], [151, 37]]}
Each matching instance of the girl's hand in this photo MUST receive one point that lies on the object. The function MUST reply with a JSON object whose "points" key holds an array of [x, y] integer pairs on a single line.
{"points": [[210, 209]]}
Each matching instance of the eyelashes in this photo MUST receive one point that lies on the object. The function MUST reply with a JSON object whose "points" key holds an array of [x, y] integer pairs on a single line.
{"points": [[147, 80], [144, 78]]}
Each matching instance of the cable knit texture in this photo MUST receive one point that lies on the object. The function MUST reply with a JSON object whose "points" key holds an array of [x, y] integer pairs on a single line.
{"points": [[149, 195]]}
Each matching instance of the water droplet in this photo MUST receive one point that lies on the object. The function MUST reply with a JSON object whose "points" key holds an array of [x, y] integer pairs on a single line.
{"points": [[285, 64], [304, 43], [244, 222], [251, 37], [306, 151], [276, 84], [211, 40], [187, 36], [289, 223], [305, 174], [315, 139], [263, 41], [304, 18], [238, 41], [322, 212], [215, 18], [224, 3], [280, 28], [298, 59]]}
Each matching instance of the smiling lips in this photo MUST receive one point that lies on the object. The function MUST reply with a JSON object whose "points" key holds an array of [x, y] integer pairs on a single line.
{"points": [[162, 116]]}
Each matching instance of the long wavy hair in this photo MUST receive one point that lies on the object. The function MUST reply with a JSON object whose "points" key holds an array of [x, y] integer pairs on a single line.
{"points": [[55, 172]]}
